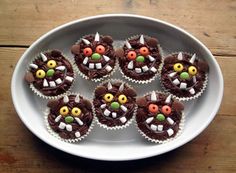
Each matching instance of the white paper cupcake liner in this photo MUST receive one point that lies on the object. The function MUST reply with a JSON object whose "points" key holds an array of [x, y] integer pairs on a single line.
{"points": [[114, 127], [38, 93], [181, 126], [152, 78], [184, 98], [56, 135]]}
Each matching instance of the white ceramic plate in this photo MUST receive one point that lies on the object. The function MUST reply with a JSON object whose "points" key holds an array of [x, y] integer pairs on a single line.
{"points": [[124, 144]]}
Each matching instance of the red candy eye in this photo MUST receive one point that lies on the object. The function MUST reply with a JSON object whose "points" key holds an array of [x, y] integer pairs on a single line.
{"points": [[87, 51], [153, 108], [166, 110], [100, 49], [132, 55], [144, 51]]}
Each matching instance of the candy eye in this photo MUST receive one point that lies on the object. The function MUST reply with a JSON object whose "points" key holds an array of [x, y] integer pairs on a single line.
{"points": [[153, 108], [166, 110], [108, 97], [132, 55], [87, 51], [64, 110], [144, 51], [192, 70], [100, 49], [40, 74], [51, 64], [122, 99], [76, 111], [178, 67]]}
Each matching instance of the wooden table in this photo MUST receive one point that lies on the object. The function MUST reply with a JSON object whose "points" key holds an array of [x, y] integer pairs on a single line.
{"points": [[213, 22]]}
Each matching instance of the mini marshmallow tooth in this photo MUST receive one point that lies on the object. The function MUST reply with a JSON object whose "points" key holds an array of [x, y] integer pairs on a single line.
{"points": [[91, 65], [33, 66], [192, 91], [153, 96], [69, 78], [52, 84], [62, 125], [86, 41], [180, 56], [123, 119], [109, 86], [170, 120], [123, 108], [44, 58], [114, 114], [170, 132], [58, 118], [85, 61], [106, 112], [45, 83], [176, 82], [153, 127], [192, 59], [98, 65], [183, 85], [151, 58], [77, 98], [61, 68], [160, 127], [128, 44], [69, 127], [77, 134], [194, 79], [153, 69], [97, 37], [106, 58], [58, 81], [108, 68], [168, 99], [172, 74], [131, 65], [145, 68], [149, 120], [103, 106], [141, 39], [138, 70], [65, 99], [121, 88], [79, 121]]}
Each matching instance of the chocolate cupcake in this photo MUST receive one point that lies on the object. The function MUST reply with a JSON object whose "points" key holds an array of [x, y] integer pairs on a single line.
{"points": [[115, 104], [94, 56], [70, 117], [184, 76], [50, 74], [140, 59], [159, 117]]}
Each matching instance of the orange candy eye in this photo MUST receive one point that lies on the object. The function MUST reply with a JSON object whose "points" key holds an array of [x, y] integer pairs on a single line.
{"points": [[166, 110], [87, 51], [153, 108], [100, 49], [132, 55], [144, 51]]}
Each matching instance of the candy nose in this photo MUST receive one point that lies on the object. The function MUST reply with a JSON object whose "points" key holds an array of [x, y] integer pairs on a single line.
{"points": [[96, 56], [115, 105], [69, 119], [50, 72], [184, 75]]}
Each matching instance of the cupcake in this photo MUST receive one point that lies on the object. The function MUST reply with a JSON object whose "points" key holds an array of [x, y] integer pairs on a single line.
{"points": [[115, 104], [70, 117], [184, 76], [94, 56], [50, 74], [140, 59], [159, 118]]}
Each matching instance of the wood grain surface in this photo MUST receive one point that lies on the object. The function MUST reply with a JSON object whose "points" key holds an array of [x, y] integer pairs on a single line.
{"points": [[212, 21]]}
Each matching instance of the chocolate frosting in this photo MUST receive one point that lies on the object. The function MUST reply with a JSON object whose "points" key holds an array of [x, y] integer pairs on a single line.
{"points": [[143, 114], [86, 116], [77, 50], [99, 100]]}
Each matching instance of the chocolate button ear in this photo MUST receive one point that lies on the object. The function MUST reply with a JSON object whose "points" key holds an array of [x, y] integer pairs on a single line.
{"points": [[52, 103], [87, 104], [56, 53], [107, 39], [142, 102], [152, 42], [170, 60], [119, 53], [130, 92], [203, 66], [75, 49], [29, 77], [100, 91], [178, 106]]}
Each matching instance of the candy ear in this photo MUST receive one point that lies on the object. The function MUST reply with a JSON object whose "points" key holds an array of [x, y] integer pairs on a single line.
{"points": [[152, 42], [75, 49], [87, 104], [142, 102], [107, 39], [130, 92], [119, 53], [101, 90], [203, 66], [178, 106], [170, 60], [29, 77], [52, 103]]}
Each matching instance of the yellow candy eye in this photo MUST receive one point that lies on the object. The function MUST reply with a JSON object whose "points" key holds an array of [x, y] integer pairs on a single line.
{"points": [[178, 67], [51, 64], [64, 110], [192, 70], [108, 97], [40, 74], [122, 99], [76, 111]]}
